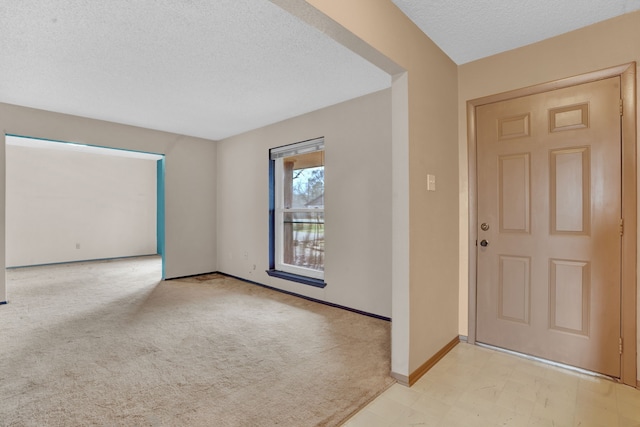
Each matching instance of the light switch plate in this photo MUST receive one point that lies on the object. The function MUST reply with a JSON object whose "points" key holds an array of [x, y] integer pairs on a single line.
{"points": [[431, 182]]}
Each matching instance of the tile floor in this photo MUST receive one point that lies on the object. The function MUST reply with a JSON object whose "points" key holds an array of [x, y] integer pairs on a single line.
{"points": [[473, 386]]}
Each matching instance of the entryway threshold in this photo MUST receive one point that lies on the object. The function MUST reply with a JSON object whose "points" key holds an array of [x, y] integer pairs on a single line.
{"points": [[548, 362]]}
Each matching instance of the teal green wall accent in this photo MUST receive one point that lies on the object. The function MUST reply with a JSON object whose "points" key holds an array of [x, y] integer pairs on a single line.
{"points": [[160, 212]]}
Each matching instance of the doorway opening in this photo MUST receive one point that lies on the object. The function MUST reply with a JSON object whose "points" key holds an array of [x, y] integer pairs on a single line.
{"points": [[69, 202]]}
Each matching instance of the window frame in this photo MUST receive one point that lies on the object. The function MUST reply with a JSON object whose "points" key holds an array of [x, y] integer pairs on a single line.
{"points": [[277, 210]]}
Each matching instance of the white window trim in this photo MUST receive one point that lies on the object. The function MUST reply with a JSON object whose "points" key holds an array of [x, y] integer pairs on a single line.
{"points": [[277, 155], [279, 221]]}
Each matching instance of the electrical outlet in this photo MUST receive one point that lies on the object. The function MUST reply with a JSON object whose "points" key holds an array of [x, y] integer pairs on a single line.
{"points": [[77, 245]]}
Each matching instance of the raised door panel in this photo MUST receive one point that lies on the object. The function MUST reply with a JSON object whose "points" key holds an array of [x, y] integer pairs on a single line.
{"points": [[514, 193], [514, 289], [570, 194], [569, 296]]}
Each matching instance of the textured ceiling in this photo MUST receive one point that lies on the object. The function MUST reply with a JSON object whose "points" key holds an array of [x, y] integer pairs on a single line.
{"points": [[207, 68], [216, 68], [467, 30]]}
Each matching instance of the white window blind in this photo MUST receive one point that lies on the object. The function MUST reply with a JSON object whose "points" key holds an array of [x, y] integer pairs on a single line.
{"points": [[303, 147]]}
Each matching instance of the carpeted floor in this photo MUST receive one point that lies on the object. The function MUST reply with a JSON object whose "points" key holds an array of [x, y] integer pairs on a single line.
{"points": [[109, 344]]}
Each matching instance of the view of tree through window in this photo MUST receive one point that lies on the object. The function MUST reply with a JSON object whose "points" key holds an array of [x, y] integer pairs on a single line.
{"points": [[296, 212], [303, 211]]}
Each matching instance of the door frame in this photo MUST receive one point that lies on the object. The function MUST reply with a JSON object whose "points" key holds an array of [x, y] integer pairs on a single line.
{"points": [[628, 307]]}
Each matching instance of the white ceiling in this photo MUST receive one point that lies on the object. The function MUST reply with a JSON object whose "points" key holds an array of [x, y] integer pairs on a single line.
{"points": [[216, 68], [207, 68], [472, 29]]}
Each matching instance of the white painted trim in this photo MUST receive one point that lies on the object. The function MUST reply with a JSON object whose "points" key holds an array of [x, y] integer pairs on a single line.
{"points": [[279, 215]]}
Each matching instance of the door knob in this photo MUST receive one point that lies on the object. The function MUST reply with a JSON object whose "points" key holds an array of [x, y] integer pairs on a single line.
{"points": [[484, 243]]}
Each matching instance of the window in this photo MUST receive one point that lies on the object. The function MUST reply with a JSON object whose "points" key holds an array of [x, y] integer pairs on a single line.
{"points": [[297, 212]]}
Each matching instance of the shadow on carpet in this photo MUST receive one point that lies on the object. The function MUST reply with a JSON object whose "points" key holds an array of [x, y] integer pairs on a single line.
{"points": [[108, 343]]}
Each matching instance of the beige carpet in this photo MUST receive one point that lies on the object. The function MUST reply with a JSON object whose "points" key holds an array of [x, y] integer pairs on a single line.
{"points": [[108, 344]]}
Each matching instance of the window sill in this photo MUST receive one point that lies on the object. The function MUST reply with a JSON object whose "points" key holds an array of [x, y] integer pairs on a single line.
{"points": [[318, 283]]}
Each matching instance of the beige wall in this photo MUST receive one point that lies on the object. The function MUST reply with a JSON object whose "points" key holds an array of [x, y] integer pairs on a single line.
{"points": [[189, 185], [357, 136], [425, 224], [64, 205], [603, 45]]}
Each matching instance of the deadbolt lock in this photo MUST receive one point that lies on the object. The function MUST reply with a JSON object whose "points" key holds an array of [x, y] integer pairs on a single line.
{"points": [[484, 226]]}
